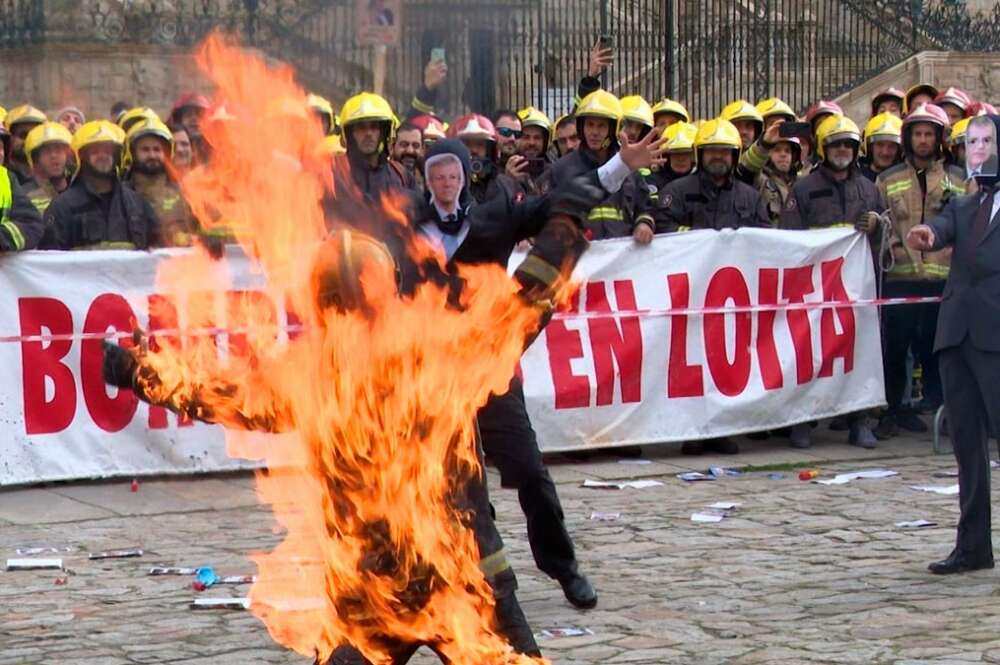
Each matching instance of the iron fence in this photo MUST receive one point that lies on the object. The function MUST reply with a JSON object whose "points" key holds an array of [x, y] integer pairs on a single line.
{"points": [[516, 52]]}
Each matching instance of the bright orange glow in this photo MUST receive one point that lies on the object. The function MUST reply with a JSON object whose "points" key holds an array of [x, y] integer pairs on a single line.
{"points": [[377, 407]]}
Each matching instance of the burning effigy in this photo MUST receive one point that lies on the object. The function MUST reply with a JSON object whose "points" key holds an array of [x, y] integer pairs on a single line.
{"points": [[377, 479]]}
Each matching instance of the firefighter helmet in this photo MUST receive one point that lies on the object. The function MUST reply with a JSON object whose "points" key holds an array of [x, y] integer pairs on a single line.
{"points": [[149, 127], [955, 97], [186, 101], [474, 126], [717, 133], [920, 88], [884, 127], [532, 117], [773, 106], [94, 132], [47, 133], [322, 107], [819, 110], [432, 127], [134, 115], [24, 114], [741, 109], [889, 94], [931, 113], [637, 109], [667, 105], [600, 104], [365, 107], [836, 128], [958, 131], [679, 137]]}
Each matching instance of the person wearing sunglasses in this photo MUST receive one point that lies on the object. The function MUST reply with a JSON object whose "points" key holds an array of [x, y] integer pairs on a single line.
{"points": [[509, 130]]}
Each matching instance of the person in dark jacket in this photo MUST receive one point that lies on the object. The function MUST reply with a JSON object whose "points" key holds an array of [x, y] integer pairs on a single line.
{"points": [[20, 224], [97, 210]]}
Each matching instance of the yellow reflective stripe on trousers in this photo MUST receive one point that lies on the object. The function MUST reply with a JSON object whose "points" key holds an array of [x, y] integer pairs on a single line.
{"points": [[929, 269], [836, 225], [6, 201], [495, 563]]}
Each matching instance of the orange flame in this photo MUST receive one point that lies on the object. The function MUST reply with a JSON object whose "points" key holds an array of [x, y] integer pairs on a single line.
{"points": [[378, 407]]}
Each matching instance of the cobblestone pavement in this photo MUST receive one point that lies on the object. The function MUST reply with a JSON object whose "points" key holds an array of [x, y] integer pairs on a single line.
{"points": [[800, 573]]}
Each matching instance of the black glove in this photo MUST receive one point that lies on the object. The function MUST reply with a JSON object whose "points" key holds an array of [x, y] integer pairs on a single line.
{"points": [[576, 198], [215, 245], [119, 365]]}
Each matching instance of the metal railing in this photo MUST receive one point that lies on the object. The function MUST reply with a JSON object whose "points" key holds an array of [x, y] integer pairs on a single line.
{"points": [[509, 54]]}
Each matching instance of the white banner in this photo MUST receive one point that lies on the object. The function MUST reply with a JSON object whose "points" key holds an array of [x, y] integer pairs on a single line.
{"points": [[593, 381], [590, 380]]}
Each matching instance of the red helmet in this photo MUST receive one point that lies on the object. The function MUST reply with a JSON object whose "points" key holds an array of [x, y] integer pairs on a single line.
{"points": [[887, 94], [188, 99], [821, 108], [475, 126], [931, 113], [431, 126], [955, 97], [980, 108]]}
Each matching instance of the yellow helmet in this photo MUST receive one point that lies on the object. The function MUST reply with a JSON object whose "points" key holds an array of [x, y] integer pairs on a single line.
{"points": [[532, 117], [773, 106], [45, 134], [3, 114], [368, 106], [330, 146], [149, 127], [25, 113], [97, 131], [717, 133], [884, 127], [679, 137], [600, 104], [741, 109], [637, 109], [958, 131], [836, 128], [134, 115], [323, 107], [666, 105]]}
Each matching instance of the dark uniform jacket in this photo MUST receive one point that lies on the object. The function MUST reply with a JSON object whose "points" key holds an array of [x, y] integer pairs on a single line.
{"points": [[648, 185], [21, 226], [178, 227], [819, 200], [613, 217], [696, 202], [387, 177], [79, 218]]}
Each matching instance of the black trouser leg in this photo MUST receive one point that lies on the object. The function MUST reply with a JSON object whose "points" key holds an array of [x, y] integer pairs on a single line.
{"points": [[901, 326], [510, 442], [965, 372]]}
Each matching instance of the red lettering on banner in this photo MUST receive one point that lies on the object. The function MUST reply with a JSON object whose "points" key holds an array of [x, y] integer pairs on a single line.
{"points": [[41, 361], [564, 345], [729, 377], [767, 350], [683, 380], [615, 342], [797, 285], [112, 414], [834, 344]]}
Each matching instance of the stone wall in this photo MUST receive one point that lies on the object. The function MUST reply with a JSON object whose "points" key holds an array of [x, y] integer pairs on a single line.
{"points": [[976, 73], [93, 77]]}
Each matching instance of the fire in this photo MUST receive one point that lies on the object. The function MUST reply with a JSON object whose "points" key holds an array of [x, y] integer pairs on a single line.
{"points": [[376, 405]]}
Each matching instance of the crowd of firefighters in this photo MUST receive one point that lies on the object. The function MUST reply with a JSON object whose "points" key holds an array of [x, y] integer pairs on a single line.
{"points": [[68, 183]]}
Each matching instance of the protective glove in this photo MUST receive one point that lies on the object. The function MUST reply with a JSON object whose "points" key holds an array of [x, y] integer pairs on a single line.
{"points": [[867, 222], [215, 245]]}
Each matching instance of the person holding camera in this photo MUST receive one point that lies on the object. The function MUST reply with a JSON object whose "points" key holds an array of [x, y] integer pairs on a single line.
{"points": [[486, 180]]}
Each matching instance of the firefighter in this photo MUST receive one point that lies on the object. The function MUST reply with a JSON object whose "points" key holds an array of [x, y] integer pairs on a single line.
{"points": [[921, 93], [889, 101], [954, 102], [956, 143], [188, 112], [773, 113], [778, 177], [835, 194], [567, 140], [529, 164], [916, 190], [678, 148], [883, 144], [97, 211], [21, 120], [667, 112], [815, 114], [598, 117], [21, 226], [773, 109], [149, 145], [48, 148], [430, 127], [747, 120], [485, 179], [367, 125], [134, 115], [637, 117]]}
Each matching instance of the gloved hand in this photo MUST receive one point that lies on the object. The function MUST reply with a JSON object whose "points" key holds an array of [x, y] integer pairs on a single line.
{"points": [[215, 245], [119, 366], [577, 197], [867, 222]]}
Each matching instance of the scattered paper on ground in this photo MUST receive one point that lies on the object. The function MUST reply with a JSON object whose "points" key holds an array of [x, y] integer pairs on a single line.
{"points": [[631, 484], [725, 505], [694, 475], [947, 490], [563, 632], [844, 478], [915, 524], [220, 604], [604, 517], [706, 517], [635, 461], [34, 564]]}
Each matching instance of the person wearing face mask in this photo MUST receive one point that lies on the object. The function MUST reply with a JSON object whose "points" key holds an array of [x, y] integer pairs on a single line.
{"points": [[916, 190], [678, 149], [48, 148], [408, 150], [150, 146], [968, 347], [835, 194], [883, 145], [486, 181], [97, 210]]}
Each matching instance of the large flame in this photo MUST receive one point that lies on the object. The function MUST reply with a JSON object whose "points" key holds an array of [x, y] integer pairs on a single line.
{"points": [[379, 405]]}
